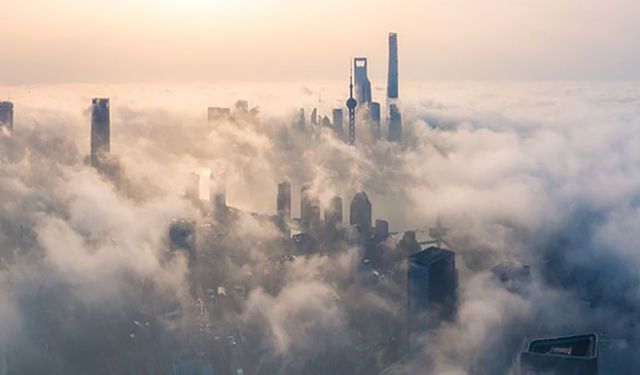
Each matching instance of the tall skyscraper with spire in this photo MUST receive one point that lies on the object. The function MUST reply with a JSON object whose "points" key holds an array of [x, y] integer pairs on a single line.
{"points": [[351, 105], [392, 77], [362, 82]]}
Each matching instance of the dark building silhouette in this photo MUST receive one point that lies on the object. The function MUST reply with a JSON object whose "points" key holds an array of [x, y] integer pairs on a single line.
{"points": [[360, 214], [395, 124], [326, 122], [432, 282], [392, 75], [374, 107], [218, 113], [182, 237], [338, 121], [351, 105], [218, 198], [381, 231], [100, 130], [6, 115], [363, 85], [302, 122], [314, 117], [283, 201], [309, 211], [409, 244], [570, 355], [242, 107]]}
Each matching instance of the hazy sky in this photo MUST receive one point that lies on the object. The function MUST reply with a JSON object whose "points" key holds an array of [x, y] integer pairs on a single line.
{"points": [[232, 40]]}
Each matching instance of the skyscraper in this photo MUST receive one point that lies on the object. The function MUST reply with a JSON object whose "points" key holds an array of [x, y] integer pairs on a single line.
{"points": [[395, 124], [363, 85], [6, 115], [302, 122], [100, 130], [360, 214], [351, 105], [432, 282], [338, 121], [569, 355], [218, 196], [283, 201], [218, 113], [375, 120], [392, 77], [309, 211]]}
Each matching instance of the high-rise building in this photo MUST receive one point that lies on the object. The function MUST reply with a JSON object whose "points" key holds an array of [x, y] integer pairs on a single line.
{"points": [[374, 107], [570, 355], [363, 85], [242, 107], [392, 75], [338, 121], [218, 113], [351, 105], [360, 214], [395, 124], [100, 130], [309, 211], [6, 115], [302, 122], [182, 237], [283, 201], [218, 197], [432, 282], [381, 232], [314, 116], [409, 244]]}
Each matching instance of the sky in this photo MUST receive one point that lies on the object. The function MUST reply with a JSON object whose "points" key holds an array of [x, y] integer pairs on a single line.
{"points": [[70, 41]]}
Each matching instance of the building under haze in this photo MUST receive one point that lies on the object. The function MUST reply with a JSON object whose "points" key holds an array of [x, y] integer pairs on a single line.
{"points": [[6, 115], [395, 124], [569, 355], [310, 219], [218, 113], [361, 78], [392, 74], [360, 214], [374, 107], [338, 121], [283, 205], [100, 130], [432, 283]]}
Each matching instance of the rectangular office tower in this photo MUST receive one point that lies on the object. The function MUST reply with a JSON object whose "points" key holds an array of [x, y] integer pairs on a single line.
{"points": [[392, 77], [338, 121], [395, 124], [362, 83], [283, 201], [432, 283], [569, 355], [100, 130], [6, 115]]}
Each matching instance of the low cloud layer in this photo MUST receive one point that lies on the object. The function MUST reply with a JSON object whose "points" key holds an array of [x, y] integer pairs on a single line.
{"points": [[543, 174]]}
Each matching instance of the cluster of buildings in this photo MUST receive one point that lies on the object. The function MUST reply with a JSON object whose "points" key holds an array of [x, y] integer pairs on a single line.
{"points": [[420, 282]]}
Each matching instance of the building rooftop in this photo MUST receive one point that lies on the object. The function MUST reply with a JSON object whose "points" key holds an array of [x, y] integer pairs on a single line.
{"points": [[431, 255]]}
